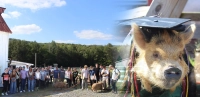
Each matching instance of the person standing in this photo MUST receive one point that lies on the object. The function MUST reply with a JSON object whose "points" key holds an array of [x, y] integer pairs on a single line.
{"points": [[85, 77], [68, 76], [110, 77], [47, 78], [92, 75], [56, 75], [18, 78], [80, 77], [62, 74], [23, 76], [75, 74], [104, 74], [5, 81], [115, 74], [100, 75], [30, 76], [42, 78], [13, 82], [37, 78], [51, 73], [97, 70]]}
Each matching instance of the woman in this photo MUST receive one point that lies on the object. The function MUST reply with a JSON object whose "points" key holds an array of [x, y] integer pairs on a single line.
{"points": [[13, 81], [30, 75], [5, 81], [37, 78], [17, 78], [68, 76]]}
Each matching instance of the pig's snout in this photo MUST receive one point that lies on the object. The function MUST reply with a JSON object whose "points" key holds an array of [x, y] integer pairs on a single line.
{"points": [[172, 73]]}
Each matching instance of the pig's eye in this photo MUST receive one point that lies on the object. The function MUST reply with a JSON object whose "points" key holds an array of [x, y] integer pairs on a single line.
{"points": [[155, 55]]}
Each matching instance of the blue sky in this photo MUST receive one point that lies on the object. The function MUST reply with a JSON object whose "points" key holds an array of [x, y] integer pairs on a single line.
{"points": [[64, 21]]}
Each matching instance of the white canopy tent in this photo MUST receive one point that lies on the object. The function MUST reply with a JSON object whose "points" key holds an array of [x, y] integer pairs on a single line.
{"points": [[18, 64]]}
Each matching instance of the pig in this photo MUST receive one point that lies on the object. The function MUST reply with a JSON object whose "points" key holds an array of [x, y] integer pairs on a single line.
{"points": [[97, 86], [60, 85], [160, 62]]}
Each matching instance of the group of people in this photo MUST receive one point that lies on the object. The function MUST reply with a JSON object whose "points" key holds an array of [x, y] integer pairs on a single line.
{"points": [[108, 76], [20, 79], [17, 79]]}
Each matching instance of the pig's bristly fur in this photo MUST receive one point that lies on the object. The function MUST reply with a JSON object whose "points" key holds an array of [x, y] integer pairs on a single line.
{"points": [[159, 49]]}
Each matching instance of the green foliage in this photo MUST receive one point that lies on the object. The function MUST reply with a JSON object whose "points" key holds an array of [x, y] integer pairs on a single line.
{"points": [[66, 55]]}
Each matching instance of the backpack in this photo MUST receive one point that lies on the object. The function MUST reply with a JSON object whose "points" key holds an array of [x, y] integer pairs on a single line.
{"points": [[118, 71]]}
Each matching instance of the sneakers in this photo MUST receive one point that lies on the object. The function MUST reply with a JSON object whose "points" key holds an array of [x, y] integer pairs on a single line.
{"points": [[23, 90], [20, 91], [32, 90], [2, 94], [6, 93]]}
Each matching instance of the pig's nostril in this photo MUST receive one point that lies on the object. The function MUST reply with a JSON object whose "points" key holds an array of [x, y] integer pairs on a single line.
{"points": [[172, 73]]}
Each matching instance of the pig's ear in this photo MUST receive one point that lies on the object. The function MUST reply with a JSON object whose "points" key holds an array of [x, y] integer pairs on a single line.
{"points": [[188, 34], [138, 36]]}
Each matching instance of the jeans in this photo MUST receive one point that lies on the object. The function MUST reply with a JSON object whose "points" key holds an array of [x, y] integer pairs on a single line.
{"points": [[42, 83], [74, 81], [84, 83], [110, 82], [69, 81], [31, 84], [114, 87], [37, 82], [18, 85], [13, 86], [5, 86], [23, 83]]}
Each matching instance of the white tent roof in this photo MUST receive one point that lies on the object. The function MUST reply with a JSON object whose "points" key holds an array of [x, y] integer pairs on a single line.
{"points": [[18, 63]]}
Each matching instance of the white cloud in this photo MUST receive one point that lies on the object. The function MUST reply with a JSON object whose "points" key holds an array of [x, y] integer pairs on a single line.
{"points": [[4, 15], [34, 4], [13, 14], [92, 34], [26, 29], [65, 41]]}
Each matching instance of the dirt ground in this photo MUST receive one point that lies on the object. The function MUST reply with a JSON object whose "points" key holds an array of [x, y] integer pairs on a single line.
{"points": [[68, 92]]}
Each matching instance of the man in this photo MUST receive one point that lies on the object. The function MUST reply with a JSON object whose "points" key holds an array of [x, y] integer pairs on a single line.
{"points": [[55, 75], [75, 74], [62, 74], [104, 74], [92, 75], [47, 76], [42, 77], [27, 68], [96, 70], [115, 74], [23, 76], [100, 75], [85, 77]]}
